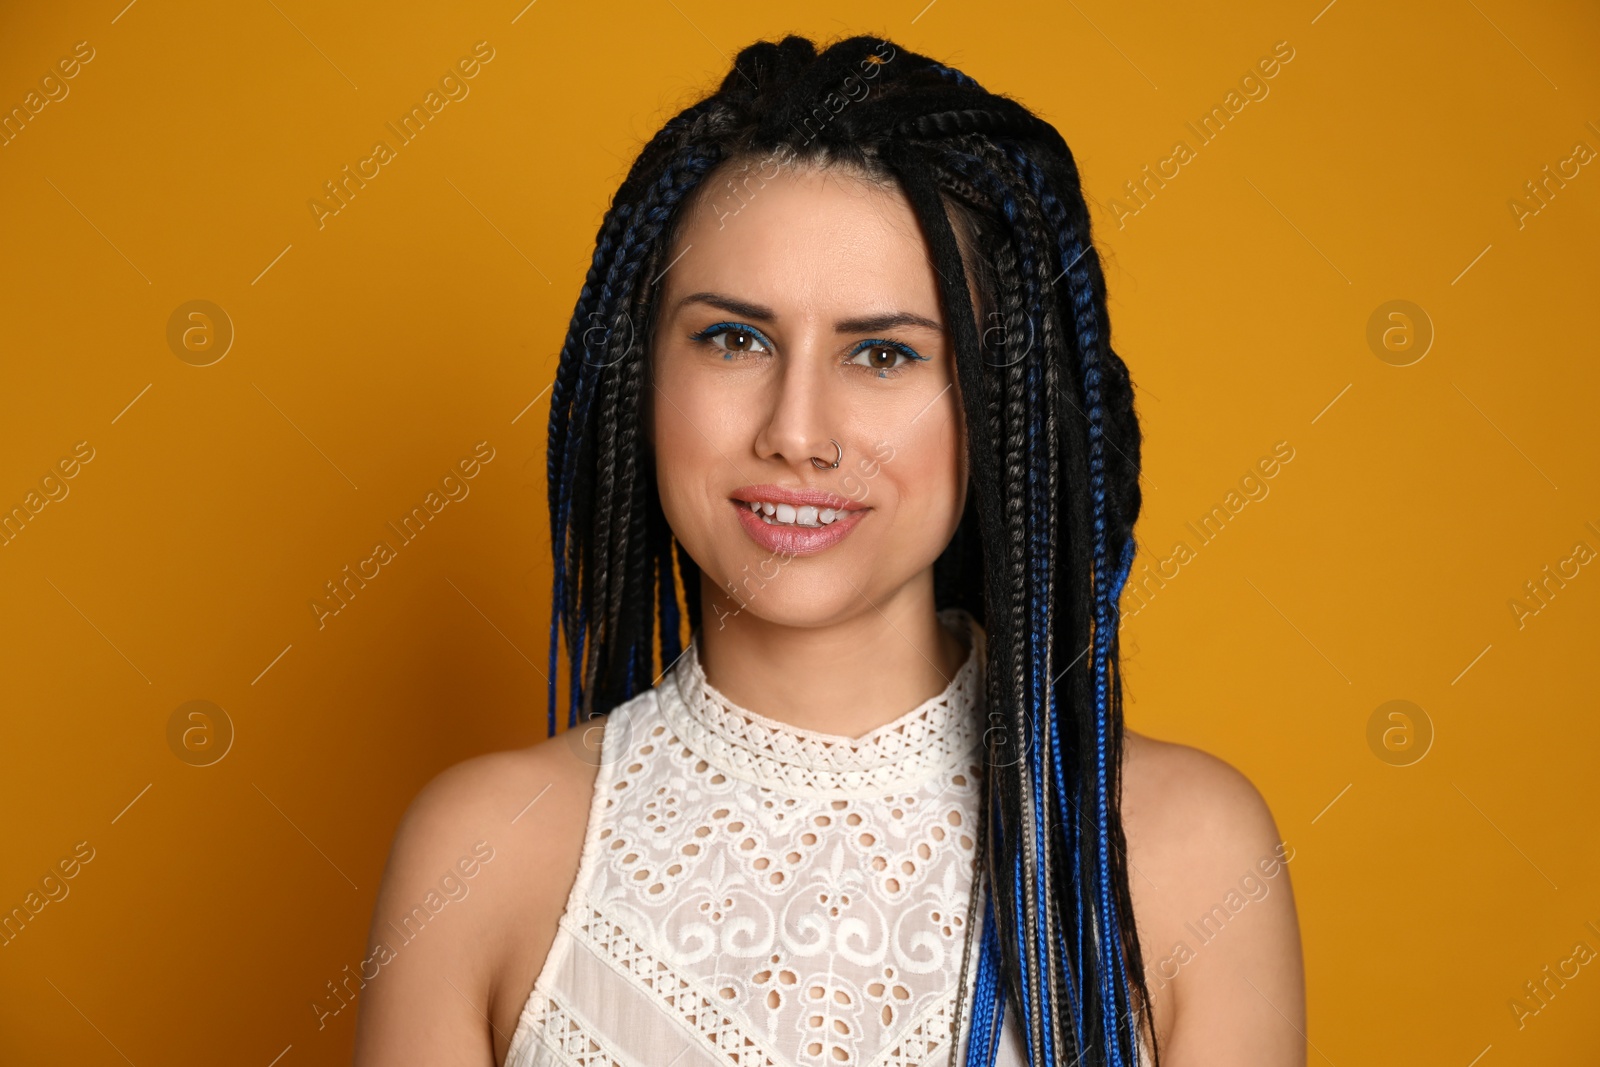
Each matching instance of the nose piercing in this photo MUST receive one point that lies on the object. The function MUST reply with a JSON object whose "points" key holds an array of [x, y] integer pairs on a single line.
{"points": [[835, 463]]}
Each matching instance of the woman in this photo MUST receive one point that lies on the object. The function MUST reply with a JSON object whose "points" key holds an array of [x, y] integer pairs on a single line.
{"points": [[839, 386]]}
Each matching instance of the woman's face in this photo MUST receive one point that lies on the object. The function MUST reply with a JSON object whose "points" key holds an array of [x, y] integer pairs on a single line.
{"points": [[802, 310]]}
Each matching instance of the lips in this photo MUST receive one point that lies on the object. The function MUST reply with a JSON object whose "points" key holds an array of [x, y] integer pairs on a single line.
{"points": [[777, 494], [790, 540]]}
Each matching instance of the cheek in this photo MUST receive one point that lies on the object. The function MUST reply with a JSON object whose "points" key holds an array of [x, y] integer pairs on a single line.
{"points": [[690, 433], [924, 465]]}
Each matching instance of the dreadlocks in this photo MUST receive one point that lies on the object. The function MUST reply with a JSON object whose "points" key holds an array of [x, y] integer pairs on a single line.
{"points": [[1045, 544]]}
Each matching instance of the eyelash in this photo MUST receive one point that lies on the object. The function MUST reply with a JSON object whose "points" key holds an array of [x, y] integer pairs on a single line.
{"points": [[708, 335]]}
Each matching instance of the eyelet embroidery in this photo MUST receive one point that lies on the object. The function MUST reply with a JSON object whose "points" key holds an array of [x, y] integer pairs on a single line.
{"points": [[788, 897]]}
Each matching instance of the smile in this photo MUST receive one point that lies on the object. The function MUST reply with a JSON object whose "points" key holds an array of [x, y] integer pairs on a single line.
{"points": [[788, 515], [796, 530]]}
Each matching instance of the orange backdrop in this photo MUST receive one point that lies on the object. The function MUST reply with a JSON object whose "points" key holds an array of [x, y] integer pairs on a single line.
{"points": [[1346, 248]]}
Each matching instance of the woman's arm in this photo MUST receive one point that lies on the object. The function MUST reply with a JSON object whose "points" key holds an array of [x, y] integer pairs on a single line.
{"points": [[1219, 932], [427, 1002], [477, 877]]}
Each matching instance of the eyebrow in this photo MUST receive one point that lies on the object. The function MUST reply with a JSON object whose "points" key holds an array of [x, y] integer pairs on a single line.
{"points": [[888, 320]]}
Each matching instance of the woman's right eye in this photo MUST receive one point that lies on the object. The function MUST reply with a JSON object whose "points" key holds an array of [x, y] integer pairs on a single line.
{"points": [[731, 339]]}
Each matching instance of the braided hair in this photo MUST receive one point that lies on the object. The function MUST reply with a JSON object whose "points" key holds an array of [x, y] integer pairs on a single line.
{"points": [[1046, 540]]}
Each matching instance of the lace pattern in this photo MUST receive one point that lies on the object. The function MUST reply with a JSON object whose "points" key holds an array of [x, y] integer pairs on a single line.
{"points": [[754, 748], [574, 1044], [790, 899]]}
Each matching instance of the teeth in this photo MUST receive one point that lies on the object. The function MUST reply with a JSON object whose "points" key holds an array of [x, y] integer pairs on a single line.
{"points": [[776, 514]]}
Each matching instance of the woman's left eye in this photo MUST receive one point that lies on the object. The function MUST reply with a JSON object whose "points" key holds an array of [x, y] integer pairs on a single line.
{"points": [[731, 339], [884, 356]]}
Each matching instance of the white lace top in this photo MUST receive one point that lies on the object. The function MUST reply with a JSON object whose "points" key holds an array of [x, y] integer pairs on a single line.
{"points": [[752, 894]]}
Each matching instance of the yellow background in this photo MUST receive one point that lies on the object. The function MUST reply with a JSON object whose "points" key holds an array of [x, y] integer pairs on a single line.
{"points": [[372, 353]]}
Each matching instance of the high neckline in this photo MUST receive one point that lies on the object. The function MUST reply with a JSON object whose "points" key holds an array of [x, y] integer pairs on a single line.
{"points": [[935, 735]]}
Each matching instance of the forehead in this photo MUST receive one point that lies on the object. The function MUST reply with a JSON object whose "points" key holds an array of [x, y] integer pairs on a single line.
{"points": [[809, 239]]}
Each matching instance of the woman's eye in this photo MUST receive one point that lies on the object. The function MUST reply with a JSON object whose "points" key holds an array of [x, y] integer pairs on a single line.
{"points": [[731, 339], [884, 357]]}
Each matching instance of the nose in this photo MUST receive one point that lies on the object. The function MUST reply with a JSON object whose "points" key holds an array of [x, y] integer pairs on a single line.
{"points": [[802, 411]]}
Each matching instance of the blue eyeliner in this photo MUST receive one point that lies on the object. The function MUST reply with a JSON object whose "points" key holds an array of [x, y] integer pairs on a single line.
{"points": [[706, 335]]}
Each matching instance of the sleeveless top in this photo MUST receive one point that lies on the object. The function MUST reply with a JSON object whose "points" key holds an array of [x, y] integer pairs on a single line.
{"points": [[754, 894]]}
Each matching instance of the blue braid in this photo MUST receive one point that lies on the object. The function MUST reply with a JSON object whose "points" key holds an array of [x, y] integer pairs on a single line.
{"points": [[1033, 740], [989, 996], [1040, 692], [640, 232], [1018, 918], [951, 74], [1040, 604], [558, 435], [1081, 292], [643, 227], [1106, 589]]}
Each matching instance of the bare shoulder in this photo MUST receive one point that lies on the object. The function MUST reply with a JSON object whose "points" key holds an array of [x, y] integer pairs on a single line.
{"points": [[1209, 876], [1184, 798], [478, 873]]}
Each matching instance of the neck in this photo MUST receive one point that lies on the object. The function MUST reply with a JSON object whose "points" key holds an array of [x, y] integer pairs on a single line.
{"points": [[846, 675]]}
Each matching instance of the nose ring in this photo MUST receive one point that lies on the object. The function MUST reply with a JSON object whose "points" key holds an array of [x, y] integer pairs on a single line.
{"points": [[835, 463]]}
